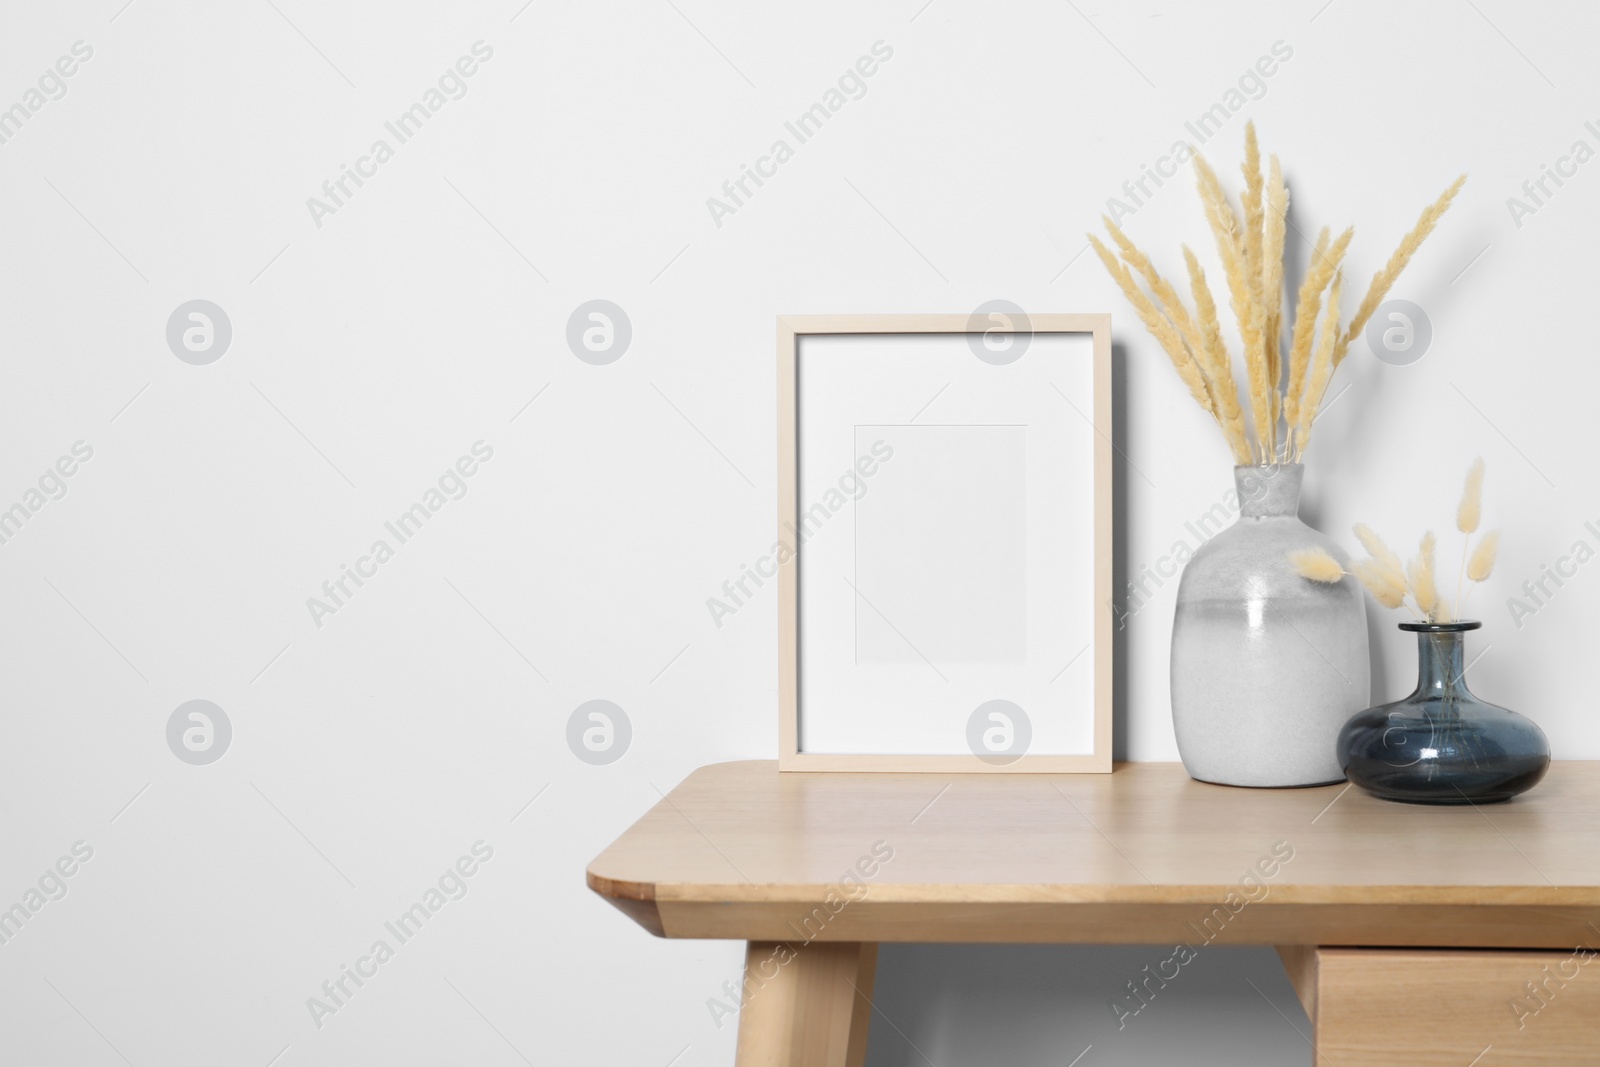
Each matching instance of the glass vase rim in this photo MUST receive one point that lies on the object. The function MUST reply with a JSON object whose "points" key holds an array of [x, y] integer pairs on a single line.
{"points": [[1268, 466], [1457, 627]]}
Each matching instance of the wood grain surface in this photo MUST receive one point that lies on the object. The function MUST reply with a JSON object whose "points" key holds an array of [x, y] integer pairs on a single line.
{"points": [[1142, 855]]}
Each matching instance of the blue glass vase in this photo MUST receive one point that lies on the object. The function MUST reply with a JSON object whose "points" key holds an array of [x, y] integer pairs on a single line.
{"points": [[1441, 744]]}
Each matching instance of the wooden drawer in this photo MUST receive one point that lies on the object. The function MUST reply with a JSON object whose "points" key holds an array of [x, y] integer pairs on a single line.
{"points": [[1453, 1008]]}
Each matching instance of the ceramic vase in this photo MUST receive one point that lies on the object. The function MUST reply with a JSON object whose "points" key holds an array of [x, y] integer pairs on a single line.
{"points": [[1441, 744], [1267, 665]]}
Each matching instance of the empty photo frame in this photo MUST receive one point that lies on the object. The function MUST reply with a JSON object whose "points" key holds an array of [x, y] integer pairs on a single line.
{"points": [[944, 543]]}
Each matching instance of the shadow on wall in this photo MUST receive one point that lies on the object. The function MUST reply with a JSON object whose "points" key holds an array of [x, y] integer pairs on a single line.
{"points": [[1025, 1005]]}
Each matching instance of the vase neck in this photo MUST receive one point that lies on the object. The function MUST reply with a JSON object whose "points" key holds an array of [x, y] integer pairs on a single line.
{"points": [[1439, 665], [1269, 491]]}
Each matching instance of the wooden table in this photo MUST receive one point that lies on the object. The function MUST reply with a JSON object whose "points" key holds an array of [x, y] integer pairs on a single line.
{"points": [[1413, 935]]}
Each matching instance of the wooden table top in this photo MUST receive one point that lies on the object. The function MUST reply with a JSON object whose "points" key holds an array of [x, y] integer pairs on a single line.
{"points": [[1145, 854]]}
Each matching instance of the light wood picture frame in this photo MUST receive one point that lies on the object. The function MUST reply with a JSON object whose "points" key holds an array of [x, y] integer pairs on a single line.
{"points": [[1005, 499]]}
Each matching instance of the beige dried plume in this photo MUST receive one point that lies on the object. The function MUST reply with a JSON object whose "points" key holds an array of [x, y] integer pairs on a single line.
{"points": [[1193, 342], [1375, 547], [1468, 514], [1158, 325], [1388, 587], [1481, 564], [1274, 225], [1383, 279], [1471, 508], [1325, 261], [1167, 298], [1321, 366], [1218, 363], [1243, 296], [1252, 201], [1384, 574], [1424, 587], [1390, 582], [1282, 387], [1317, 564]]}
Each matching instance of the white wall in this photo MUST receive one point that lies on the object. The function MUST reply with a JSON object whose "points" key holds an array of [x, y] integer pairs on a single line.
{"points": [[371, 351]]}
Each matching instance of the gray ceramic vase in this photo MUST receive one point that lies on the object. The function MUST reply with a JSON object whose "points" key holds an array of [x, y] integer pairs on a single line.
{"points": [[1266, 665]]}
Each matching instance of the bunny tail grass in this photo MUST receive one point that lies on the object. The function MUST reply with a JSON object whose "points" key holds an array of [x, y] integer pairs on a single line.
{"points": [[1317, 565]]}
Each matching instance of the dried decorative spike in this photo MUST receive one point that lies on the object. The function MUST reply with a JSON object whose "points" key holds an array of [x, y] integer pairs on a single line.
{"points": [[1163, 330], [1481, 564], [1471, 509], [1383, 279], [1166, 297], [1273, 228], [1317, 564], [1225, 391], [1252, 261], [1321, 365], [1420, 576], [1325, 261], [1243, 296], [1380, 582], [1375, 547], [1252, 201]]}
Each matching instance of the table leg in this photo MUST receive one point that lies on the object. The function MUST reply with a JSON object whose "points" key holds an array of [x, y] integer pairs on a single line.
{"points": [[806, 1005]]}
